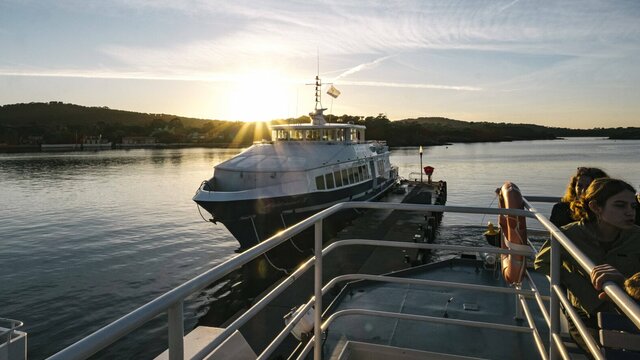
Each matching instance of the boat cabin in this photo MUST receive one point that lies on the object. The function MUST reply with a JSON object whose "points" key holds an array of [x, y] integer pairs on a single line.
{"points": [[344, 133]]}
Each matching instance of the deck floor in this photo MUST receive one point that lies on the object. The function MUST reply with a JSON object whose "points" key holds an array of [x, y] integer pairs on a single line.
{"points": [[431, 301]]}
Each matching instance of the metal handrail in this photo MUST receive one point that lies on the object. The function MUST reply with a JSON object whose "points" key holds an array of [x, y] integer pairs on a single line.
{"points": [[172, 301], [13, 325]]}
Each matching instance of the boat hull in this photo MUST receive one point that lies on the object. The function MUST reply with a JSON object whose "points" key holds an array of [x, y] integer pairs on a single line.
{"points": [[255, 220]]}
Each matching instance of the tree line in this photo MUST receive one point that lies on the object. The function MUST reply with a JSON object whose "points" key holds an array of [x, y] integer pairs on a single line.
{"points": [[56, 122]]}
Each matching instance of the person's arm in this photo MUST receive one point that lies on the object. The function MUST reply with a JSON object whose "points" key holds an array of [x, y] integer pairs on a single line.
{"points": [[571, 277], [603, 273]]}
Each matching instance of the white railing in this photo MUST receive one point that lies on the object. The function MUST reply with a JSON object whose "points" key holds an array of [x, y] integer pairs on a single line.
{"points": [[172, 302]]}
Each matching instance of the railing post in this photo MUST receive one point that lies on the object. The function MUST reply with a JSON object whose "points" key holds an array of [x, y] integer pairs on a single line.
{"points": [[554, 303], [519, 311], [317, 321], [176, 331]]}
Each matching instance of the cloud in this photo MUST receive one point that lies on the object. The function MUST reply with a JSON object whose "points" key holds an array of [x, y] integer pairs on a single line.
{"points": [[361, 67], [286, 34], [410, 86], [112, 74]]}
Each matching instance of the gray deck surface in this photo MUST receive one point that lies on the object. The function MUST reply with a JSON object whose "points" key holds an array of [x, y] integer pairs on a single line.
{"points": [[374, 224], [430, 301]]}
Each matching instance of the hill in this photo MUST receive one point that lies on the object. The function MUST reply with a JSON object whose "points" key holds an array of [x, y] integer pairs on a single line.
{"points": [[56, 122], [442, 130]]}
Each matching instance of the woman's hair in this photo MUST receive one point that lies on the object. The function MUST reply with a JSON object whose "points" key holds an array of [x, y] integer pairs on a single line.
{"points": [[593, 173], [599, 191], [632, 286]]}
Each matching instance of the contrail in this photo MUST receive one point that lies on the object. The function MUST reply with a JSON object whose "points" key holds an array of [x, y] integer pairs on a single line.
{"points": [[411, 86], [361, 67], [507, 6]]}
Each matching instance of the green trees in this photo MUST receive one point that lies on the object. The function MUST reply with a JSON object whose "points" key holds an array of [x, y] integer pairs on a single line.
{"points": [[56, 122]]}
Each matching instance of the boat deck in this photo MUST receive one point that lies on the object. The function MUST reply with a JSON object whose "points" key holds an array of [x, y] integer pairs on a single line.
{"points": [[373, 224], [431, 301]]}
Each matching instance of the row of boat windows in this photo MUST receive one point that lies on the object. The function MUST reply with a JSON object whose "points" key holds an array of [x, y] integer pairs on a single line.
{"points": [[318, 134], [342, 177]]}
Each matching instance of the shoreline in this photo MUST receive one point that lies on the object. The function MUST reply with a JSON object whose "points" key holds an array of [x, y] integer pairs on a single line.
{"points": [[10, 149]]}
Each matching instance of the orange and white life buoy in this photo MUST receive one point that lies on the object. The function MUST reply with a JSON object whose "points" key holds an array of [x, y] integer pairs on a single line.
{"points": [[514, 229]]}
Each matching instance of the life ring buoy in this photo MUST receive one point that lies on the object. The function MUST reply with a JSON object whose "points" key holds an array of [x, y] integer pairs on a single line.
{"points": [[514, 229]]}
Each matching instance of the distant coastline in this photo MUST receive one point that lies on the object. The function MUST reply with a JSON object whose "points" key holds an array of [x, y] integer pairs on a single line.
{"points": [[56, 125]]}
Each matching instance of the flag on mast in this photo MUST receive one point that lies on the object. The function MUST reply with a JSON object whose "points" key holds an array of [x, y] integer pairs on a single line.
{"points": [[333, 92]]}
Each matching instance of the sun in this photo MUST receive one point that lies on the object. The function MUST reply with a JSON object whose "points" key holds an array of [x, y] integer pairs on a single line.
{"points": [[259, 96]]}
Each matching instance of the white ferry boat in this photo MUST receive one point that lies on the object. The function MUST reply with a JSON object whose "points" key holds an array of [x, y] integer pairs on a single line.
{"points": [[304, 169]]}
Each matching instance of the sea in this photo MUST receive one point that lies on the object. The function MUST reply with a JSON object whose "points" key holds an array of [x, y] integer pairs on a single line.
{"points": [[86, 237]]}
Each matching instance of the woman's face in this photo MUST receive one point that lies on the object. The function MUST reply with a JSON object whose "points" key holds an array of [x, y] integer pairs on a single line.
{"points": [[582, 184], [619, 210]]}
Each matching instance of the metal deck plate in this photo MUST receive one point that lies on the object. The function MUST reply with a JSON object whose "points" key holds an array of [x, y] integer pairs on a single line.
{"points": [[431, 301]]}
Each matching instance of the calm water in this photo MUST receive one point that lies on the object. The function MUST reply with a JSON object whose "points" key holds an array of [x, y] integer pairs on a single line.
{"points": [[87, 237]]}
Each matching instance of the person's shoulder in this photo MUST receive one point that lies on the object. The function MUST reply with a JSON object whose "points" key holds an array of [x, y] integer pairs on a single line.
{"points": [[575, 227], [560, 206]]}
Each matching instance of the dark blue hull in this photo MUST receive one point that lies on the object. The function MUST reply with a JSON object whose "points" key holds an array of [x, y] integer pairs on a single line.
{"points": [[253, 221]]}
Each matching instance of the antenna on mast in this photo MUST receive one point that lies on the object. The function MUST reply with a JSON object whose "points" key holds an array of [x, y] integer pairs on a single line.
{"points": [[318, 82], [317, 118]]}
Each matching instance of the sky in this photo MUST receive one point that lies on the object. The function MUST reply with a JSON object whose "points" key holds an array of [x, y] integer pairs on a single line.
{"points": [[554, 63]]}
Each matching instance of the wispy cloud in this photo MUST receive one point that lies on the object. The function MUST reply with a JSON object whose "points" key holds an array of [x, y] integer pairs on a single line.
{"points": [[272, 30], [505, 7], [361, 67], [411, 86], [120, 75]]}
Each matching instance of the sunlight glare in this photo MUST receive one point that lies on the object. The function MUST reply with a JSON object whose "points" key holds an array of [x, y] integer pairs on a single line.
{"points": [[259, 96]]}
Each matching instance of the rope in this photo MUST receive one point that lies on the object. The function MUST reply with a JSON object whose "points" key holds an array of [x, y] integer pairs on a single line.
{"points": [[200, 212], [291, 238], [275, 267], [265, 254], [485, 215]]}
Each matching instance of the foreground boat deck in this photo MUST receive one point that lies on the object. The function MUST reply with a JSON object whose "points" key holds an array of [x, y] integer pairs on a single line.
{"points": [[408, 338]]}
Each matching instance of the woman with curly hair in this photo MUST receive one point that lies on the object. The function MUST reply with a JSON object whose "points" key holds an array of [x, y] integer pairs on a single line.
{"points": [[561, 214], [605, 232]]}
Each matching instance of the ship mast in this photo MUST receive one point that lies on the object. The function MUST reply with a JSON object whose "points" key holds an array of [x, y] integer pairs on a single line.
{"points": [[317, 117]]}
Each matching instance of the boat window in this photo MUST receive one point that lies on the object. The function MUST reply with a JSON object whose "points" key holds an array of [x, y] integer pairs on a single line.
{"points": [[361, 135], [329, 180], [297, 135], [345, 176], [336, 174], [351, 178], [320, 182], [331, 135], [313, 134], [380, 167], [280, 135], [362, 173], [356, 175], [340, 135]]}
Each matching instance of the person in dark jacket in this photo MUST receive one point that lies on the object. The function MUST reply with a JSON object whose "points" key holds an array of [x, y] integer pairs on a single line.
{"points": [[607, 235], [562, 214]]}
